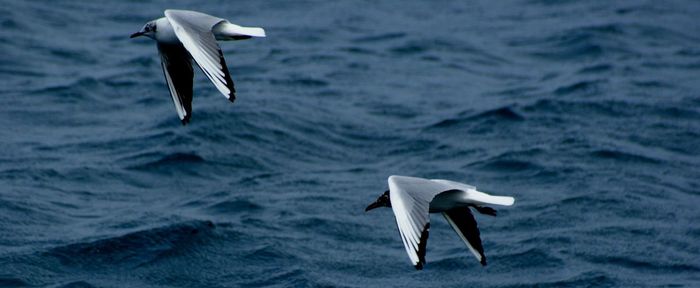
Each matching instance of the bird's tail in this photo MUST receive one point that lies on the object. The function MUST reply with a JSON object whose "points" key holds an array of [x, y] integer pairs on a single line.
{"points": [[228, 31]]}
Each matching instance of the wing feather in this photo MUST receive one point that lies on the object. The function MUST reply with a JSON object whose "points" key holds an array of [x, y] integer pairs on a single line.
{"points": [[463, 222], [194, 30], [410, 201], [477, 197], [178, 73]]}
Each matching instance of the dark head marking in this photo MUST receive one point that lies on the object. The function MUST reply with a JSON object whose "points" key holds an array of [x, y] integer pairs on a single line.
{"points": [[382, 201]]}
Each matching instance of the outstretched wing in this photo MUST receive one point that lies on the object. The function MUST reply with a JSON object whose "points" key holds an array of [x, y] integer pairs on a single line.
{"points": [[178, 73], [194, 30], [462, 221], [474, 196], [410, 200]]}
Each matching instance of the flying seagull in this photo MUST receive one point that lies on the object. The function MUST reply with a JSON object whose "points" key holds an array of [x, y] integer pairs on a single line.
{"points": [[183, 35], [412, 199]]}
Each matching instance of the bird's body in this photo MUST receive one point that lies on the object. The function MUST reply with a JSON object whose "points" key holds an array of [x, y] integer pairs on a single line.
{"points": [[183, 36], [412, 199], [449, 200], [165, 33]]}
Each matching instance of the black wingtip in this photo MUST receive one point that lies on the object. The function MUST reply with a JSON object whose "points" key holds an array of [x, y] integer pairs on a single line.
{"points": [[483, 260], [185, 120], [227, 78], [422, 245]]}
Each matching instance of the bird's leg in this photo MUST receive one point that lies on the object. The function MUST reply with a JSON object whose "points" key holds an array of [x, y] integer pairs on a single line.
{"points": [[484, 210]]}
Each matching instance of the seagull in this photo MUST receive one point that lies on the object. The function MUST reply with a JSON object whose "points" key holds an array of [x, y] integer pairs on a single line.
{"points": [[183, 35], [412, 199]]}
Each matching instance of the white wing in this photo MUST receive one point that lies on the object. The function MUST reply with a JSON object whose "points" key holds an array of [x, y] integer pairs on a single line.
{"points": [[455, 185], [410, 200], [194, 30], [474, 196]]}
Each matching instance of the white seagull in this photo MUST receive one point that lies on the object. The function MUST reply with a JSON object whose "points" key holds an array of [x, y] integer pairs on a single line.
{"points": [[412, 199], [183, 35]]}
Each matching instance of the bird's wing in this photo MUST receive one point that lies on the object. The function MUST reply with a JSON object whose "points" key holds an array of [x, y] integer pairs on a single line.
{"points": [[462, 221], [456, 185], [178, 73], [194, 30], [410, 201], [477, 197]]}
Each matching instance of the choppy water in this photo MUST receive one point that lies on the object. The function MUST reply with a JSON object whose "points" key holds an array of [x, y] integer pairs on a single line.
{"points": [[588, 112]]}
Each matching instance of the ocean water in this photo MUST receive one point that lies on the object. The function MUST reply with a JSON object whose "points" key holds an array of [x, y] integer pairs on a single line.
{"points": [[587, 112]]}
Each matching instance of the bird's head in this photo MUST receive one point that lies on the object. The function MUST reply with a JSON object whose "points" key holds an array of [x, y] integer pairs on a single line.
{"points": [[382, 201], [148, 30]]}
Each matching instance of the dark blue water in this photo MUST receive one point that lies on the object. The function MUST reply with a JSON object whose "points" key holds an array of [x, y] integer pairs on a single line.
{"points": [[587, 112]]}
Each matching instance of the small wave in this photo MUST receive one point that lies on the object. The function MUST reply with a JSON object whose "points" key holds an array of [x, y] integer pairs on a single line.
{"points": [[291, 277], [234, 206], [380, 37], [393, 110], [10, 24], [511, 162], [269, 253], [507, 165], [336, 229], [318, 58], [586, 279], [35, 174], [439, 45], [257, 179], [622, 156], [169, 160], [549, 240], [503, 113], [638, 264], [591, 201], [579, 43], [409, 49], [605, 108], [595, 69], [19, 71], [582, 87], [300, 82], [533, 258], [652, 84], [678, 112], [13, 282], [66, 92], [132, 249], [76, 284], [358, 50], [413, 147], [507, 114], [142, 61], [77, 55], [622, 231], [451, 263], [517, 91], [83, 90]]}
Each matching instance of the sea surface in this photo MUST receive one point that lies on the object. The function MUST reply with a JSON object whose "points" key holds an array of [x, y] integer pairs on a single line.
{"points": [[587, 112]]}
